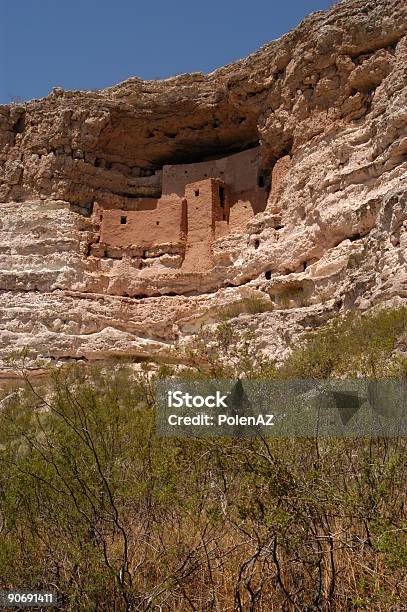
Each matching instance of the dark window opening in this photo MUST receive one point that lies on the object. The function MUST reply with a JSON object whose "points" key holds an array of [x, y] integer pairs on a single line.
{"points": [[355, 237], [123, 220], [222, 196], [100, 217], [268, 274], [260, 181], [256, 243], [196, 192], [18, 127], [157, 223]]}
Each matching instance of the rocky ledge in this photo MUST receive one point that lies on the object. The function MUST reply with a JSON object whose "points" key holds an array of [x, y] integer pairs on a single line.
{"points": [[327, 106]]}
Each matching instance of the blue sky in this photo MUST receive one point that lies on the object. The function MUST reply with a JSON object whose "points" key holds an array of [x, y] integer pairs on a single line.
{"points": [[89, 44]]}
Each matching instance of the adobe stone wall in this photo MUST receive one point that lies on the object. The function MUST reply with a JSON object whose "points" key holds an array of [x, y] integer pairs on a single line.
{"points": [[244, 206], [204, 211], [239, 171], [190, 215], [144, 229]]}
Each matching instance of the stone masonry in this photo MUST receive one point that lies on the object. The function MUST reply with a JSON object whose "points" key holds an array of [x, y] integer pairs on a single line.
{"points": [[199, 203]]}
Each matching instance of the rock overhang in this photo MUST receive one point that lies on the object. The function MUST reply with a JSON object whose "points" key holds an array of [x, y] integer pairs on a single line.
{"points": [[336, 135]]}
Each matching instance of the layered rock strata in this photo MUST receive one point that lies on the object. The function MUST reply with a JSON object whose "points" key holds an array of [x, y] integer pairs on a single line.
{"points": [[327, 106]]}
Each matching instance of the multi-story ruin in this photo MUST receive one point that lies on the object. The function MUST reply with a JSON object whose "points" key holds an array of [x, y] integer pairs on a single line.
{"points": [[199, 203]]}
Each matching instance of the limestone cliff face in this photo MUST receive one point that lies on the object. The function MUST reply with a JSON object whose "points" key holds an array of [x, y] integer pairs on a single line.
{"points": [[326, 103]]}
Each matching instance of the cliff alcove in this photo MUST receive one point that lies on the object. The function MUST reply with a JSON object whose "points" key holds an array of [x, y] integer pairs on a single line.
{"points": [[137, 211]]}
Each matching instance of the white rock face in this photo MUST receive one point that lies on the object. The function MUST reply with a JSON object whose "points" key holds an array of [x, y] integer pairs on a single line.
{"points": [[332, 238]]}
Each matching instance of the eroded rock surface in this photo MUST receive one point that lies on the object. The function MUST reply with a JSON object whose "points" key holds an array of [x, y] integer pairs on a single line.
{"points": [[327, 106]]}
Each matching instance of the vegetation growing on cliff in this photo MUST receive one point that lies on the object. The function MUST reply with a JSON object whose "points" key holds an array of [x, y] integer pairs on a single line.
{"points": [[95, 505]]}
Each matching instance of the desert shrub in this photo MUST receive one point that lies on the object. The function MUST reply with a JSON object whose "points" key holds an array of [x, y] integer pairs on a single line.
{"points": [[292, 297], [116, 518], [93, 503], [66, 468], [223, 351], [251, 305], [355, 345]]}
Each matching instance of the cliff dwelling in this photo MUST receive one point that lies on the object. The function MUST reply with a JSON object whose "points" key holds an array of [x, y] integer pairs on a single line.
{"points": [[199, 203]]}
